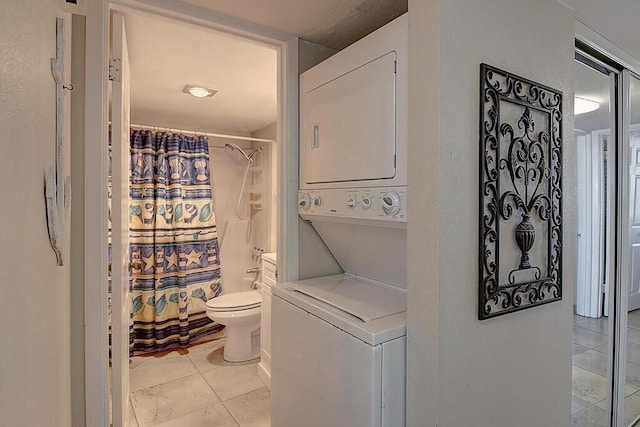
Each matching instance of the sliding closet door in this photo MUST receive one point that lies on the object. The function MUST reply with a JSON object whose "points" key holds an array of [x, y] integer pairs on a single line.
{"points": [[630, 136], [606, 351], [594, 128]]}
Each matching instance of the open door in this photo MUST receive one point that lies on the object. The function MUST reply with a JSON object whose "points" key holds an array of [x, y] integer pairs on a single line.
{"points": [[121, 311], [591, 224], [634, 235]]}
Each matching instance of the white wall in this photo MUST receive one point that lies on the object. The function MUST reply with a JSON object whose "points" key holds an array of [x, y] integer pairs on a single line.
{"points": [[514, 370], [227, 170], [422, 213], [314, 259], [265, 221], [35, 333]]}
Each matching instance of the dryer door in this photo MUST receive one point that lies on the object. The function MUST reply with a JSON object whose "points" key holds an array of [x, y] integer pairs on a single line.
{"points": [[349, 125]]}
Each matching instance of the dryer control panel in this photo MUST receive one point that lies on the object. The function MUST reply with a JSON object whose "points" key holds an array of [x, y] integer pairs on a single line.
{"points": [[371, 203]]}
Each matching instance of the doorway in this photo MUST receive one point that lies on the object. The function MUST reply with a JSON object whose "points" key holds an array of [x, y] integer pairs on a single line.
{"points": [[187, 247], [96, 346]]}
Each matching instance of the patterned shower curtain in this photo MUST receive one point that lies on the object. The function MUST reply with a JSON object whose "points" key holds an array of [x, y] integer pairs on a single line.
{"points": [[173, 241]]}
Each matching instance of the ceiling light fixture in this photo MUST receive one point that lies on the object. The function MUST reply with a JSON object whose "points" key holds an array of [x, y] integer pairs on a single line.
{"points": [[199, 91], [583, 105]]}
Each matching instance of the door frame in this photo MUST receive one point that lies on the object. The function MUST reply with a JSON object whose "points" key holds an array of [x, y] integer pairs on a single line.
{"points": [[617, 305], [95, 166]]}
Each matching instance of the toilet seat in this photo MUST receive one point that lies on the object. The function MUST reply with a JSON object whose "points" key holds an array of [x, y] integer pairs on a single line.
{"points": [[235, 301]]}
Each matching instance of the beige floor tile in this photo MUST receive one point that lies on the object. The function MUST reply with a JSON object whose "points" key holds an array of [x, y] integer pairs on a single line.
{"points": [[588, 386], [212, 416], [578, 405], [147, 371], [173, 399], [252, 409], [588, 338], [633, 353], [631, 407], [133, 421], [604, 349], [577, 349], [207, 357], [633, 320], [600, 325], [232, 381], [632, 375], [593, 361], [633, 336], [592, 416]]}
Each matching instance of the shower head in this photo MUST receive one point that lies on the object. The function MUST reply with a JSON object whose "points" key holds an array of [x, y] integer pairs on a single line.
{"points": [[231, 146]]}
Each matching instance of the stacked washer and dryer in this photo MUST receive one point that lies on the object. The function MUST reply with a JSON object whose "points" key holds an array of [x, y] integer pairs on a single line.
{"points": [[339, 342]]}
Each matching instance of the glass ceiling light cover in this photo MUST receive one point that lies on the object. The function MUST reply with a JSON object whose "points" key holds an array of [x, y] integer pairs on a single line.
{"points": [[199, 91], [583, 105]]}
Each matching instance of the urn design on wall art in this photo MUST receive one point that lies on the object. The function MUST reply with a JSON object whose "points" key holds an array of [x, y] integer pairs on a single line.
{"points": [[520, 193]]}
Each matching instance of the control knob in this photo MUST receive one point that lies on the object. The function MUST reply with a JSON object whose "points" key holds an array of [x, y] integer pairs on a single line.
{"points": [[366, 203], [352, 203], [304, 202], [391, 203]]}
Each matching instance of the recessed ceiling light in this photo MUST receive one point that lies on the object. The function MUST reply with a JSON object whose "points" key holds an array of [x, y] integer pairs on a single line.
{"points": [[199, 91], [583, 105]]}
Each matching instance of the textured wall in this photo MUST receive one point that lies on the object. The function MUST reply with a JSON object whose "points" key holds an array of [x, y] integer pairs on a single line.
{"points": [[35, 333], [514, 370]]}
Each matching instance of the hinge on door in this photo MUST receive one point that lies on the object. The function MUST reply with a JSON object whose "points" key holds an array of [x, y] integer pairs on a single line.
{"points": [[605, 288], [115, 73], [395, 67]]}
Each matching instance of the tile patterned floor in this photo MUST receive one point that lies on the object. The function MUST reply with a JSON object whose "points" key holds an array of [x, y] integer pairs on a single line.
{"points": [[196, 387], [590, 370]]}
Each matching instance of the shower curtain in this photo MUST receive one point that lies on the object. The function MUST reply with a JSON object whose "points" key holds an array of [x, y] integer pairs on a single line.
{"points": [[173, 241]]}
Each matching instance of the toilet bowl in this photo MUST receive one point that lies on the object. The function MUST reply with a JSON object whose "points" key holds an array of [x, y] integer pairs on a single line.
{"points": [[240, 313]]}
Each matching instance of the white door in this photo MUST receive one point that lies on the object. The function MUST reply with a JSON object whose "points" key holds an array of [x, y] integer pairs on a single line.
{"points": [[591, 238], [634, 235], [120, 317]]}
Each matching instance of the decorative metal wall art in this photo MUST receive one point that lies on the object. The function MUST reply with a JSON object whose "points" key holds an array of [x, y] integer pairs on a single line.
{"points": [[520, 193]]}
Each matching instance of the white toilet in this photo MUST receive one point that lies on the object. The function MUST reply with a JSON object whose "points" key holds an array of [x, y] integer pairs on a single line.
{"points": [[240, 313], [239, 306]]}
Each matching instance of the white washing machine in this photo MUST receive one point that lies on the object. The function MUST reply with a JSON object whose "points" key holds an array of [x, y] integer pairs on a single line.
{"points": [[341, 350], [339, 342]]}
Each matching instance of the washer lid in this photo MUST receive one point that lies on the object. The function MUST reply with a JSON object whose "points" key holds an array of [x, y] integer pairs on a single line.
{"points": [[235, 300], [362, 299]]}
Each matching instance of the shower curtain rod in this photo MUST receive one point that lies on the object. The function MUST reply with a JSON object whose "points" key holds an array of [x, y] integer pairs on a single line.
{"points": [[193, 132]]}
